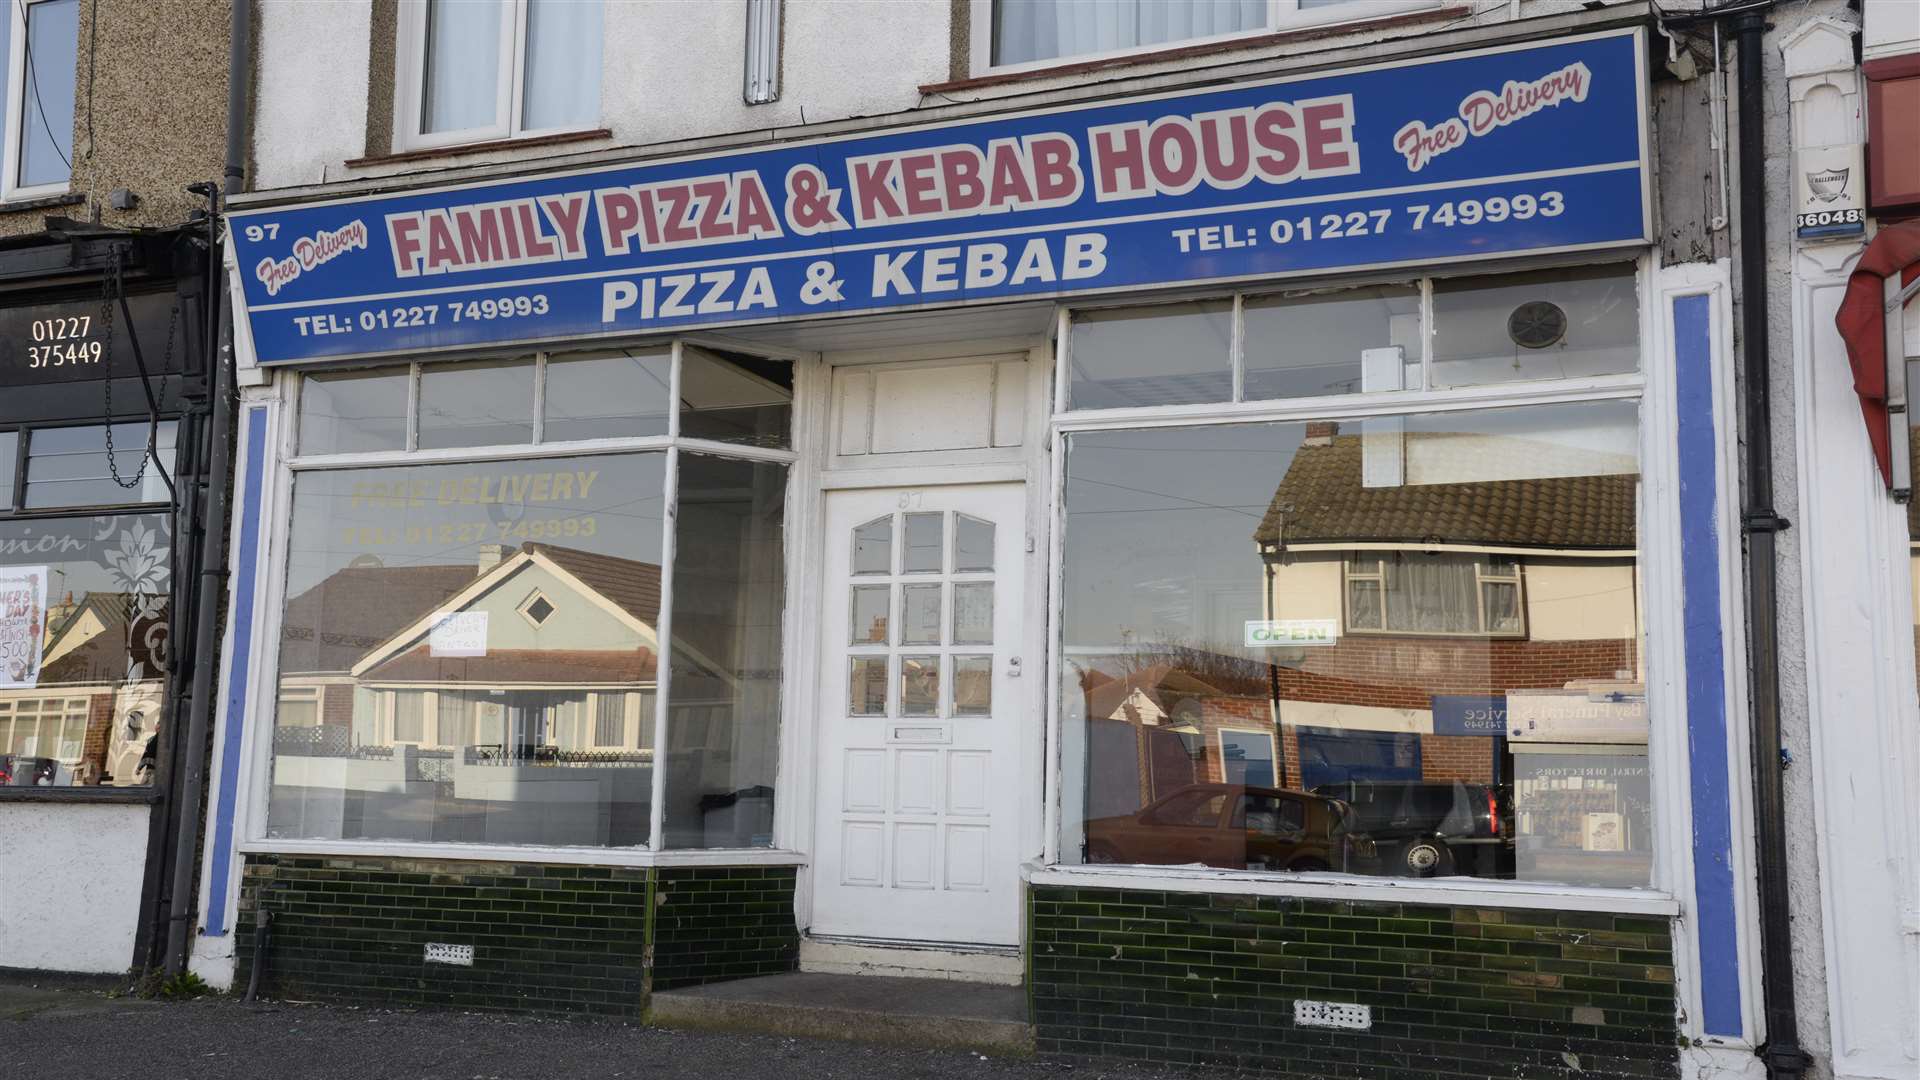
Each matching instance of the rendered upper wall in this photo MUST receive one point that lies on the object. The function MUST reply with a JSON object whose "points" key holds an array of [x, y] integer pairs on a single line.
{"points": [[672, 72], [150, 104]]}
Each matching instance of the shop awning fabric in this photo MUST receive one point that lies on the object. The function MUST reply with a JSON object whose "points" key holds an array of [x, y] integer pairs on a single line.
{"points": [[1894, 253]]}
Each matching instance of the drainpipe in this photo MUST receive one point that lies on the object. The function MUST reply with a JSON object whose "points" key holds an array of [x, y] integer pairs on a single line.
{"points": [[1781, 1051], [191, 787]]}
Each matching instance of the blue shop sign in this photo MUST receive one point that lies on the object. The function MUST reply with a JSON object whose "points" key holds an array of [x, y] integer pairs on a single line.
{"points": [[1535, 148], [1469, 714]]}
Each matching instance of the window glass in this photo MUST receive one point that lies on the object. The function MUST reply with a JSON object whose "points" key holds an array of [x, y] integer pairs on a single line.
{"points": [[1339, 343], [404, 585], [476, 403], [563, 64], [723, 703], [82, 676], [1170, 354], [342, 412], [1028, 30], [69, 466], [605, 395], [9, 464], [461, 88], [735, 399], [46, 145], [1423, 633], [1547, 324]]}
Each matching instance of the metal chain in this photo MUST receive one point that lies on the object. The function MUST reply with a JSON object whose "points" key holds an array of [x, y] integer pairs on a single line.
{"points": [[109, 291]]}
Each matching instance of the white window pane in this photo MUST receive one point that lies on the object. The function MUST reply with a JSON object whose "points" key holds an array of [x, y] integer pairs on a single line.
{"points": [[563, 64], [46, 149], [1028, 30], [461, 88]]}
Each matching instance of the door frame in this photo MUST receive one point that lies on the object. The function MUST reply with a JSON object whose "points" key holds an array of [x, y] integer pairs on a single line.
{"points": [[816, 475]]}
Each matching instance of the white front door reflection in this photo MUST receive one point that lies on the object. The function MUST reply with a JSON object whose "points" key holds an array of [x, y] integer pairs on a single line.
{"points": [[921, 718]]}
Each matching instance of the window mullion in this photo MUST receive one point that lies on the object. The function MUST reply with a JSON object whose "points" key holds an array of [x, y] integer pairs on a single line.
{"points": [[514, 67], [662, 657]]}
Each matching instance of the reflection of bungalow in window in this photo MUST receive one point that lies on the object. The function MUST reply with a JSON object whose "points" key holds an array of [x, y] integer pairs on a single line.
{"points": [[99, 696]]}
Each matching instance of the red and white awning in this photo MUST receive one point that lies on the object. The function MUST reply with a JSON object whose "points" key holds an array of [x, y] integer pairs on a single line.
{"points": [[1893, 255]]}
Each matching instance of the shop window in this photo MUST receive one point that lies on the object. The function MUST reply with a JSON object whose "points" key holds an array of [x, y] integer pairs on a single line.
{"points": [[1554, 324], [473, 651], [1169, 354], [1550, 324], [1413, 592], [607, 395], [72, 466], [42, 40], [1033, 32], [83, 675], [738, 399], [344, 412], [9, 466], [475, 70], [1267, 612]]}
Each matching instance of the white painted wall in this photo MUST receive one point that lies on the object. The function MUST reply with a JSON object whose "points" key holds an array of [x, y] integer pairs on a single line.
{"points": [[70, 890]]}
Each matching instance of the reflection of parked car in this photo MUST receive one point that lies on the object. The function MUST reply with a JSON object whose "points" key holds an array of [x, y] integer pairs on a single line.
{"points": [[1422, 828], [1228, 825]]}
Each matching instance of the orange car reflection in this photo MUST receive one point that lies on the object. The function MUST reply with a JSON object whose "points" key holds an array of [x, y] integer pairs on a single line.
{"points": [[1231, 826]]}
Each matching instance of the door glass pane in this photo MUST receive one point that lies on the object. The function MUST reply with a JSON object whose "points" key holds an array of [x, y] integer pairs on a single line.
{"points": [[972, 544], [920, 615], [605, 395], [972, 685], [734, 398], [68, 466], [1340, 343], [873, 547], [472, 403], [867, 686], [973, 613], [919, 685], [343, 412], [563, 64], [53, 36], [1548, 324], [1170, 354], [924, 544], [867, 624], [461, 87]]}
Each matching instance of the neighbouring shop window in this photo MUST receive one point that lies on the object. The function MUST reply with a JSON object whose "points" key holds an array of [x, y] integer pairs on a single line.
{"points": [[84, 637], [475, 651], [1405, 645], [1030, 31], [73, 466], [1582, 322], [42, 40], [493, 69]]}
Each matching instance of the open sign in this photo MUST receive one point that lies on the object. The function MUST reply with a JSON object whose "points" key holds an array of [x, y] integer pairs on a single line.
{"points": [[1272, 633]]}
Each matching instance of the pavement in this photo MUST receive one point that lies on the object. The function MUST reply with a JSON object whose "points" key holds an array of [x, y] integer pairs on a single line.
{"points": [[52, 1031]]}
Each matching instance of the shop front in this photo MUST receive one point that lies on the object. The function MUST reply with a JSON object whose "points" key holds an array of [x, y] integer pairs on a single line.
{"points": [[1263, 584]]}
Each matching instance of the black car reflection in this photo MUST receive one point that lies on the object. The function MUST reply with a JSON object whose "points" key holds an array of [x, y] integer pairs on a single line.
{"points": [[1231, 826], [1424, 828]]}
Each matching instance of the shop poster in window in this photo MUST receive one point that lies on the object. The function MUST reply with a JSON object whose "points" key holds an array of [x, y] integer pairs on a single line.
{"points": [[23, 628]]}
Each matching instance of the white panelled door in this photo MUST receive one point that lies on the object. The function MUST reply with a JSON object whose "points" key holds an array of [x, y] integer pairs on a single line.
{"points": [[921, 715]]}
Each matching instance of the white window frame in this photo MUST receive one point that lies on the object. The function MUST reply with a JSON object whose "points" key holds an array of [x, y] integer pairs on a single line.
{"points": [[1650, 388], [19, 93], [287, 463], [1481, 579], [1273, 749], [509, 82], [525, 610], [1281, 15]]}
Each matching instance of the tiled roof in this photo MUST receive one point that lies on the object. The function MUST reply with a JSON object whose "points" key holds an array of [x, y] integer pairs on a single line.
{"points": [[331, 626], [109, 655], [634, 586], [1321, 500]]}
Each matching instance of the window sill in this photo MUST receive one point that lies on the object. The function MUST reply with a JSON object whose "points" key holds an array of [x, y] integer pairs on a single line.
{"points": [[432, 153], [41, 202], [571, 856], [1070, 67], [140, 796], [1441, 892]]}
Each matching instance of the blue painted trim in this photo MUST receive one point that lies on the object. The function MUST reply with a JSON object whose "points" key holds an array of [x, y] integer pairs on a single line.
{"points": [[245, 584], [1716, 916]]}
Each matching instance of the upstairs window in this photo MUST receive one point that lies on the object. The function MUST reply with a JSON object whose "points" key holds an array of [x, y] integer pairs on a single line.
{"points": [[479, 70], [42, 39], [1031, 33]]}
